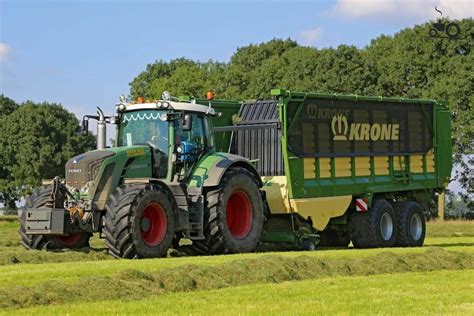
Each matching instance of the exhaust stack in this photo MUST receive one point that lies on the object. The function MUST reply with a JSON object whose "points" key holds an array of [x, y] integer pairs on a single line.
{"points": [[101, 129]]}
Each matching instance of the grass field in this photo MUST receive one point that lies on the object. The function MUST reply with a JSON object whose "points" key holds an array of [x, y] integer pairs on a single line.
{"points": [[437, 278]]}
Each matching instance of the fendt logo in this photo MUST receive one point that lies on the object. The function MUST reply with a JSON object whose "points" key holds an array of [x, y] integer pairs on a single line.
{"points": [[363, 131], [74, 170]]}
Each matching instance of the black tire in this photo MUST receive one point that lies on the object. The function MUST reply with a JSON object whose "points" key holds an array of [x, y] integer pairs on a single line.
{"points": [[41, 198], [453, 30], [374, 228], [139, 222], [226, 232], [411, 228], [308, 245], [334, 238]]}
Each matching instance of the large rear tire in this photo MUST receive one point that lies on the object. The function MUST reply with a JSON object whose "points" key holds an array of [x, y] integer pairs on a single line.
{"points": [[233, 218], [374, 228], [41, 198], [411, 225], [139, 222]]}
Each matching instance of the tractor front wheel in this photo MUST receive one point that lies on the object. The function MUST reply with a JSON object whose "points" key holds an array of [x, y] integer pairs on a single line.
{"points": [[139, 222], [41, 198]]}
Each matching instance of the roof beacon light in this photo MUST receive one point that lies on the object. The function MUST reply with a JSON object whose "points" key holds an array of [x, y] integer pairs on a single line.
{"points": [[166, 96], [210, 95]]}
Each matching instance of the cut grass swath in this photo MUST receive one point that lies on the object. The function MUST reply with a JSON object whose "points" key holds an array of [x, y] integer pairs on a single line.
{"points": [[135, 284]]}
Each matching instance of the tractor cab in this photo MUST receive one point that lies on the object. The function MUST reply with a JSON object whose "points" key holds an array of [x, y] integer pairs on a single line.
{"points": [[177, 133]]}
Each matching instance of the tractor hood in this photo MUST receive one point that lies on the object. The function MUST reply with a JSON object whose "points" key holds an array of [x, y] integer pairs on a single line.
{"points": [[85, 167]]}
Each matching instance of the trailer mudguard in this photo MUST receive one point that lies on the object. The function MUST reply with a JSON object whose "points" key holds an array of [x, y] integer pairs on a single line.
{"points": [[209, 171]]}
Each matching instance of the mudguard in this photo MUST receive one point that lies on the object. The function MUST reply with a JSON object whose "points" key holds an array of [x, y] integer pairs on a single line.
{"points": [[209, 171]]}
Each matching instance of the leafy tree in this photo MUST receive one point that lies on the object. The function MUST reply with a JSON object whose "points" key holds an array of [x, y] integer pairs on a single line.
{"points": [[7, 105], [36, 140]]}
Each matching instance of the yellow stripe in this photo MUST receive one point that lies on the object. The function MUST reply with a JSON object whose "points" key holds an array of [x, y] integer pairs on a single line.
{"points": [[343, 166], [309, 168], [381, 165], [325, 167], [398, 163], [416, 163], [430, 161], [362, 166]]}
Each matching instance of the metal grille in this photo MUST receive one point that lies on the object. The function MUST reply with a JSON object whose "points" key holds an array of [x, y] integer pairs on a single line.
{"points": [[259, 136]]}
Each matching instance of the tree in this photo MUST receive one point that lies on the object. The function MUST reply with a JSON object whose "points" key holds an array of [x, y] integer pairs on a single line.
{"points": [[7, 105], [36, 140]]}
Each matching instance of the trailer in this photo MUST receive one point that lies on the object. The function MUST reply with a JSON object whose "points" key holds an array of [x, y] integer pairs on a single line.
{"points": [[357, 168]]}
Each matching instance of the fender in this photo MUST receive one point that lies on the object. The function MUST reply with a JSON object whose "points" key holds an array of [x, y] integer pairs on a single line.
{"points": [[209, 171]]}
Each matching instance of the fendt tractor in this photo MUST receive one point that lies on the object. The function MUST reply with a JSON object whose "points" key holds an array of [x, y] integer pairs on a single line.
{"points": [[302, 169]]}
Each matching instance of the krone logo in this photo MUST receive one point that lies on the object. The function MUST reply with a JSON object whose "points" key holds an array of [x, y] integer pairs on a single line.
{"points": [[339, 127], [312, 110], [363, 131]]}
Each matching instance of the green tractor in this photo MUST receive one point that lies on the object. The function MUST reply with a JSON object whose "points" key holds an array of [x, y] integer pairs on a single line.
{"points": [[302, 169], [164, 180]]}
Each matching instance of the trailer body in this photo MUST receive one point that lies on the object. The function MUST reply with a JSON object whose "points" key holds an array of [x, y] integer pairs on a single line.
{"points": [[320, 155]]}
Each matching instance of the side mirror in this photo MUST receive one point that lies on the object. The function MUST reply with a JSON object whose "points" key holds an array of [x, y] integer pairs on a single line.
{"points": [[85, 126], [187, 122]]}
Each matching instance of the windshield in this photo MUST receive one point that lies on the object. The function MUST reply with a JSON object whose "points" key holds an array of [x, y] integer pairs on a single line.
{"points": [[144, 127]]}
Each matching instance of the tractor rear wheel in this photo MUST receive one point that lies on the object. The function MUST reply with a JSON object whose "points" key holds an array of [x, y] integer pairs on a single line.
{"points": [[41, 198], [411, 225], [233, 218], [139, 222], [374, 228]]}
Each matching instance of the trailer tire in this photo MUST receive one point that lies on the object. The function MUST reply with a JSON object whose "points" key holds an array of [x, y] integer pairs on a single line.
{"points": [[42, 198], [233, 217], [411, 228], [374, 228], [140, 222], [334, 238]]}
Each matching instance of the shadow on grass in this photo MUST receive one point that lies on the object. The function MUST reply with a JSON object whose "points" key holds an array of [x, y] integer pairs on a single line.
{"points": [[459, 244]]}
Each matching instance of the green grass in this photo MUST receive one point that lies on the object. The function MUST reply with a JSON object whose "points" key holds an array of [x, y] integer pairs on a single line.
{"points": [[11, 251], [80, 281], [439, 292], [138, 283]]}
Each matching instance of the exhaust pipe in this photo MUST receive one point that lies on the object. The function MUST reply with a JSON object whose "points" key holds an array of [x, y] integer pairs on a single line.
{"points": [[101, 129]]}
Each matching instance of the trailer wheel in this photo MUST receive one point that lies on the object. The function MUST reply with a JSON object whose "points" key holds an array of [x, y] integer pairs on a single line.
{"points": [[411, 225], [334, 238], [233, 218], [139, 222], [374, 228]]}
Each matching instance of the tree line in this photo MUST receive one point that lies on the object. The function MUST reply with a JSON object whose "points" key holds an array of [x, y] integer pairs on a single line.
{"points": [[408, 64], [36, 140]]}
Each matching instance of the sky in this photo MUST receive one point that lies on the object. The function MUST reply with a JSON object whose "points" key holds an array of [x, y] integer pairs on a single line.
{"points": [[84, 53]]}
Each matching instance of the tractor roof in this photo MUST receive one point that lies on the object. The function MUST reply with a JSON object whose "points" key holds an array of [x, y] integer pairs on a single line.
{"points": [[161, 105]]}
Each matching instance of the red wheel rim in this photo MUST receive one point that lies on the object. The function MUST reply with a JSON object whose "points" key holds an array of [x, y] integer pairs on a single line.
{"points": [[71, 240], [239, 214], [153, 224]]}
